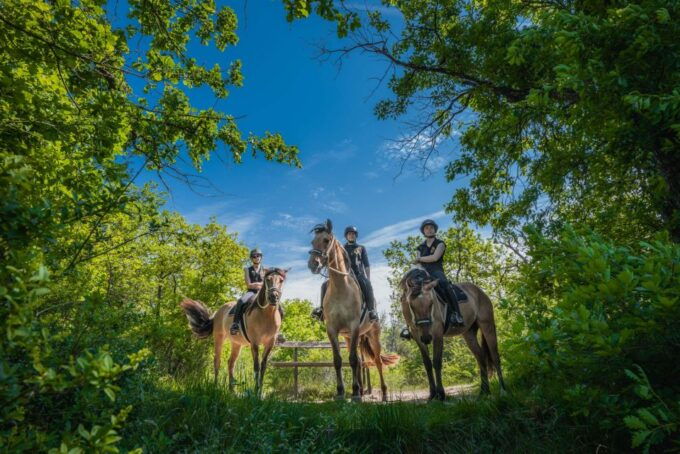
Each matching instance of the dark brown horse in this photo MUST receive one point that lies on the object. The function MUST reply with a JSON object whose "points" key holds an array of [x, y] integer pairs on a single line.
{"points": [[425, 313]]}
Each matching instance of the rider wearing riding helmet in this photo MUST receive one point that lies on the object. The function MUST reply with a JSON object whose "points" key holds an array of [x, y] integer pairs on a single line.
{"points": [[430, 255], [254, 277], [359, 263]]}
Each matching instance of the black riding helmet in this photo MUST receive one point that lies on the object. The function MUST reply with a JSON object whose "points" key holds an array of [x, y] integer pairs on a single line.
{"points": [[351, 228], [428, 222], [255, 252]]}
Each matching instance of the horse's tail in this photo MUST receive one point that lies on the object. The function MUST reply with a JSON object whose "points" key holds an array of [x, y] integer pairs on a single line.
{"points": [[387, 360], [200, 319], [490, 367]]}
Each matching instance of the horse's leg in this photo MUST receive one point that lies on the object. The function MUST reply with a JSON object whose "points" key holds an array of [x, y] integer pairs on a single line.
{"points": [[361, 362], [374, 342], [354, 364], [470, 337], [427, 362], [255, 350], [437, 356], [235, 350], [219, 343], [489, 337], [265, 356], [337, 363]]}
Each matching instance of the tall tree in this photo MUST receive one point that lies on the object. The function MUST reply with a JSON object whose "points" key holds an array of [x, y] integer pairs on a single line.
{"points": [[568, 109]]}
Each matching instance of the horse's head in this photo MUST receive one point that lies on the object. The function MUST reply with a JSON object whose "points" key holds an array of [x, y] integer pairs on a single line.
{"points": [[418, 300], [321, 243], [273, 284]]}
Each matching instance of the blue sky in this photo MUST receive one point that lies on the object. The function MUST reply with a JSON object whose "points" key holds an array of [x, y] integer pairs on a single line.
{"points": [[349, 160]]}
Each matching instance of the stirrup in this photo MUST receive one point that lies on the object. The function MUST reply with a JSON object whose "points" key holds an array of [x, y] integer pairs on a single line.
{"points": [[372, 316], [317, 313], [456, 319], [234, 329], [405, 334]]}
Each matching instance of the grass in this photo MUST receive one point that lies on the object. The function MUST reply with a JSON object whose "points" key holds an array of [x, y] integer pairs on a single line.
{"points": [[196, 416]]}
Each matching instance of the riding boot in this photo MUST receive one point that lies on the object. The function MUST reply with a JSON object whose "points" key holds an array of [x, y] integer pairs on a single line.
{"points": [[235, 328], [405, 334], [367, 291], [318, 312], [455, 318]]}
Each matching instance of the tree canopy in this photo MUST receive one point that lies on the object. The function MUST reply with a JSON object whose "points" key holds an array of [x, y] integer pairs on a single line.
{"points": [[565, 109]]}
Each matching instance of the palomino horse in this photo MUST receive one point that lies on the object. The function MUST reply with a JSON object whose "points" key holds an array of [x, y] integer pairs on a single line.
{"points": [[262, 321], [342, 313], [425, 314]]}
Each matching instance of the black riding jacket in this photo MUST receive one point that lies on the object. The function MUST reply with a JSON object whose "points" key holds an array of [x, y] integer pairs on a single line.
{"points": [[358, 258]]}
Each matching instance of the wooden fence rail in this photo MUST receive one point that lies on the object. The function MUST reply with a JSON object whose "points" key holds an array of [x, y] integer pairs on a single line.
{"points": [[295, 364]]}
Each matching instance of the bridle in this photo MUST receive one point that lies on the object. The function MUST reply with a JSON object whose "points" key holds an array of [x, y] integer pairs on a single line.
{"points": [[326, 255], [422, 321], [270, 291]]}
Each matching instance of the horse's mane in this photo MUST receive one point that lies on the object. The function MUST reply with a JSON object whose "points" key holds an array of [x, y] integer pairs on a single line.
{"points": [[413, 281]]}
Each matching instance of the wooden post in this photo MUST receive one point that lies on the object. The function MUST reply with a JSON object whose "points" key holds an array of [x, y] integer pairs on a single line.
{"points": [[368, 380], [295, 371]]}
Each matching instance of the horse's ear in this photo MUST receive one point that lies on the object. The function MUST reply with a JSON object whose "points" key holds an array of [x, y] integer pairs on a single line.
{"points": [[285, 270], [430, 285], [329, 226]]}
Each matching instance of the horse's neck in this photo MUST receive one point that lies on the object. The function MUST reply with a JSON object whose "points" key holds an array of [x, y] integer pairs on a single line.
{"points": [[338, 279]]}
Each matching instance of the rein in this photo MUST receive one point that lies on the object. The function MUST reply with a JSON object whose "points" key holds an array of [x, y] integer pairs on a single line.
{"points": [[326, 254], [263, 295]]}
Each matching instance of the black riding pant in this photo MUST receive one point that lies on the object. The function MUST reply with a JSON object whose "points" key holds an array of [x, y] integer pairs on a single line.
{"points": [[445, 290]]}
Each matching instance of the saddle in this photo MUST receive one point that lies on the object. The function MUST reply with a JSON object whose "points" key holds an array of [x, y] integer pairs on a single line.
{"points": [[423, 276], [241, 320]]}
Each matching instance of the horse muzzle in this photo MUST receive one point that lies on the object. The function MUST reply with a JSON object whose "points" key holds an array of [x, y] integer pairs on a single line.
{"points": [[426, 339]]}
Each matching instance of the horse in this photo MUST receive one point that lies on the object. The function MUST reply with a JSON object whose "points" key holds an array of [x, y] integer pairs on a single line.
{"points": [[425, 314], [342, 313], [262, 324]]}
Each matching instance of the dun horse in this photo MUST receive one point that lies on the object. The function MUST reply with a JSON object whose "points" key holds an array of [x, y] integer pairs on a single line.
{"points": [[425, 315], [262, 324], [342, 313]]}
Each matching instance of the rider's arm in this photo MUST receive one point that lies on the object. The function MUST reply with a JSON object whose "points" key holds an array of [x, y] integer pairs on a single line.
{"points": [[434, 257], [364, 260], [251, 285]]}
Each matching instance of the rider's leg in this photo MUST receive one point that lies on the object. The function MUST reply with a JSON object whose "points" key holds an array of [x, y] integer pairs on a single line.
{"points": [[318, 312], [445, 292], [234, 329], [367, 290]]}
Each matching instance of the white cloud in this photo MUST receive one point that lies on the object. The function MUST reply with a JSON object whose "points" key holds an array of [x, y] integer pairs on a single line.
{"points": [[398, 230], [293, 222], [240, 224], [419, 153]]}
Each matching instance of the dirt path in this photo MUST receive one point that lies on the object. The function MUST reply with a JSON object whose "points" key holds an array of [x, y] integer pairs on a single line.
{"points": [[416, 395]]}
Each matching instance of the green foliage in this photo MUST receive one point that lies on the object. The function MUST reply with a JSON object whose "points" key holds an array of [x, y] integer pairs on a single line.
{"points": [[656, 421], [191, 416], [586, 311], [91, 270], [566, 110]]}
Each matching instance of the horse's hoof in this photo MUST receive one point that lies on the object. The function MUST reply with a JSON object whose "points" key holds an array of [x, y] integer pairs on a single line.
{"points": [[357, 399], [340, 398]]}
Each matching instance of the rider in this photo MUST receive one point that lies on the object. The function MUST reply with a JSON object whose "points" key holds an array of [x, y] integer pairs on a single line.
{"points": [[430, 255], [359, 263], [254, 276]]}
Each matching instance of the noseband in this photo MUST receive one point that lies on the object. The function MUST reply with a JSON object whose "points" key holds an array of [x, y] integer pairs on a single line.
{"points": [[326, 256], [417, 290], [270, 291]]}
